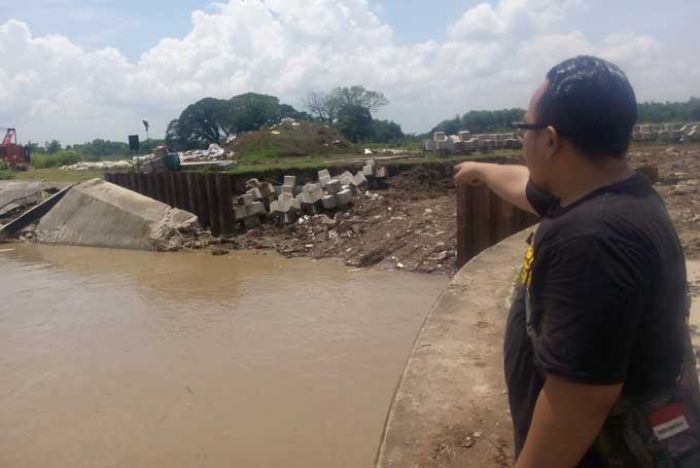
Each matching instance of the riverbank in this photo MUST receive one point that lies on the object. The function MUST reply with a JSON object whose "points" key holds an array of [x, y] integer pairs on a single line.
{"points": [[411, 224]]}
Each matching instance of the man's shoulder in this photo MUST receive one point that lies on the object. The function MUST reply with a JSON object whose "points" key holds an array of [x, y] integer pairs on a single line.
{"points": [[610, 217]]}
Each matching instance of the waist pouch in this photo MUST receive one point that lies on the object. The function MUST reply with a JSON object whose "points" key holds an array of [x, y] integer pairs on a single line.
{"points": [[659, 432]]}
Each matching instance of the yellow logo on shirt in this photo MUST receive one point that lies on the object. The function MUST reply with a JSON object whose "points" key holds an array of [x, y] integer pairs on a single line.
{"points": [[526, 270]]}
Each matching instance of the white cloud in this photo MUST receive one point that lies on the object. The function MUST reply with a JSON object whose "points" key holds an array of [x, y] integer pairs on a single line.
{"points": [[515, 18], [492, 56]]}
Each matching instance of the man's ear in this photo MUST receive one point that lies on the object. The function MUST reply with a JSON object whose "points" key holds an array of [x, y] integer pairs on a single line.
{"points": [[553, 141]]}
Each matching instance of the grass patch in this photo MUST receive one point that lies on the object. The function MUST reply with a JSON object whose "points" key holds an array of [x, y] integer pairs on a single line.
{"points": [[57, 175], [288, 140]]}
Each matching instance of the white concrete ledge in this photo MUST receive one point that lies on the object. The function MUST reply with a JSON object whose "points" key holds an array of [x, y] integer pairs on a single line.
{"points": [[450, 408]]}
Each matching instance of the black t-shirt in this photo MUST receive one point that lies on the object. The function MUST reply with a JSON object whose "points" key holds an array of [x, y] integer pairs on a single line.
{"points": [[601, 300]]}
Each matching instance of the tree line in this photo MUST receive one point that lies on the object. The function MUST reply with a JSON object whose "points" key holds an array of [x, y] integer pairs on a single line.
{"points": [[485, 121], [349, 109]]}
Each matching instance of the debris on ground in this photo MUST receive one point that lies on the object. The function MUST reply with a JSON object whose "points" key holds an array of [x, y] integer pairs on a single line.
{"points": [[385, 228], [213, 153]]}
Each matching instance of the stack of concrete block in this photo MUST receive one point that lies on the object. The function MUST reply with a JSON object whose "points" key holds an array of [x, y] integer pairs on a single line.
{"points": [[371, 169], [324, 177], [375, 174], [248, 210], [287, 207], [310, 198], [261, 191]]}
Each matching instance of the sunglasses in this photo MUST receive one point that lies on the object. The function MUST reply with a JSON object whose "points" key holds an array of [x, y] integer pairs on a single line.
{"points": [[521, 127]]}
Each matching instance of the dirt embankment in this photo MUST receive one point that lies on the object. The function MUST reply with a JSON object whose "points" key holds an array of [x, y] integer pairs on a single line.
{"points": [[412, 224]]}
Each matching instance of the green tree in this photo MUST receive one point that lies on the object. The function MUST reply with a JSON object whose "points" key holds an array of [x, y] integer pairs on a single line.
{"points": [[355, 122], [53, 147], [250, 111], [386, 131], [326, 107], [209, 120], [482, 121]]}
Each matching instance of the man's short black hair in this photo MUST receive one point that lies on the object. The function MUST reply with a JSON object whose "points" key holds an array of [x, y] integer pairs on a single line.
{"points": [[591, 103]]}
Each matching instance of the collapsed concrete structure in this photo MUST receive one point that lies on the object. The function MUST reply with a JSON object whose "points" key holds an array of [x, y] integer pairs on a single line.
{"points": [[465, 142], [667, 132], [100, 214]]}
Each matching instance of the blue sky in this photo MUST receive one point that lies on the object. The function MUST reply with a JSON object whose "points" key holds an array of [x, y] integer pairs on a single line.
{"points": [[76, 70]]}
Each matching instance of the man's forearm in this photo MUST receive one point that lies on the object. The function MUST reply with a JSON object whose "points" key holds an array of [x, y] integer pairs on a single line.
{"points": [[508, 181], [566, 421]]}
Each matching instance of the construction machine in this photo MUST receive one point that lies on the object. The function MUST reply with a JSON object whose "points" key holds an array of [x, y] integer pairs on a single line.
{"points": [[15, 156]]}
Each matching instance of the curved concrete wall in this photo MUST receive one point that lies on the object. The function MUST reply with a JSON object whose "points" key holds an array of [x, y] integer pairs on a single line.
{"points": [[450, 408]]}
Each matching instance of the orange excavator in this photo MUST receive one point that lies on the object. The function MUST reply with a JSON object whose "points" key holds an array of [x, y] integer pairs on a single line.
{"points": [[15, 156]]}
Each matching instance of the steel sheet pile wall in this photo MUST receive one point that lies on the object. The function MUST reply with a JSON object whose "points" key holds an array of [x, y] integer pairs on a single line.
{"points": [[484, 219], [209, 196]]}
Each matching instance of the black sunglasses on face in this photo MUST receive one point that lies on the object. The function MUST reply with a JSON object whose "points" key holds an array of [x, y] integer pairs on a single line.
{"points": [[520, 127]]}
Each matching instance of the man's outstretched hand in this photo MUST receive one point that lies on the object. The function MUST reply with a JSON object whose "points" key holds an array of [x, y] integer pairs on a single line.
{"points": [[467, 173]]}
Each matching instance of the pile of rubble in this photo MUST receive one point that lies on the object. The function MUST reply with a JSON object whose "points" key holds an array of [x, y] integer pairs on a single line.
{"points": [[213, 153], [465, 142], [121, 165], [286, 203], [667, 133]]}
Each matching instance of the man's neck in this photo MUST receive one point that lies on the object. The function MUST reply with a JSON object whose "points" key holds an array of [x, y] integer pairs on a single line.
{"points": [[584, 177]]}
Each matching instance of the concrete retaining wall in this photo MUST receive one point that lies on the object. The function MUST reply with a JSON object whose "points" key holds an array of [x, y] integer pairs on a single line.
{"points": [[450, 409], [99, 214]]}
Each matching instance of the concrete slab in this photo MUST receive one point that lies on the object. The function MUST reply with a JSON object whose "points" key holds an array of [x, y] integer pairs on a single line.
{"points": [[450, 408], [16, 195], [100, 214]]}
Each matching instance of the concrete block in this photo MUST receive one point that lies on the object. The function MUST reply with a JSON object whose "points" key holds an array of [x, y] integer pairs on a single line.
{"points": [[333, 187], [274, 207], [247, 199], [255, 193], [267, 189], [252, 183], [346, 178], [359, 180], [329, 202], [288, 189], [241, 212], [256, 208], [290, 180], [381, 172], [344, 197]]}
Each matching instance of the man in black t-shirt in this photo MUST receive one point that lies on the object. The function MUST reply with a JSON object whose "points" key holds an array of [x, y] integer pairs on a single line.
{"points": [[598, 361]]}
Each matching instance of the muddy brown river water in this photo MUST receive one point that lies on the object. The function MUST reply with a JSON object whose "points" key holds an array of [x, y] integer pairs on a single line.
{"points": [[133, 359]]}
